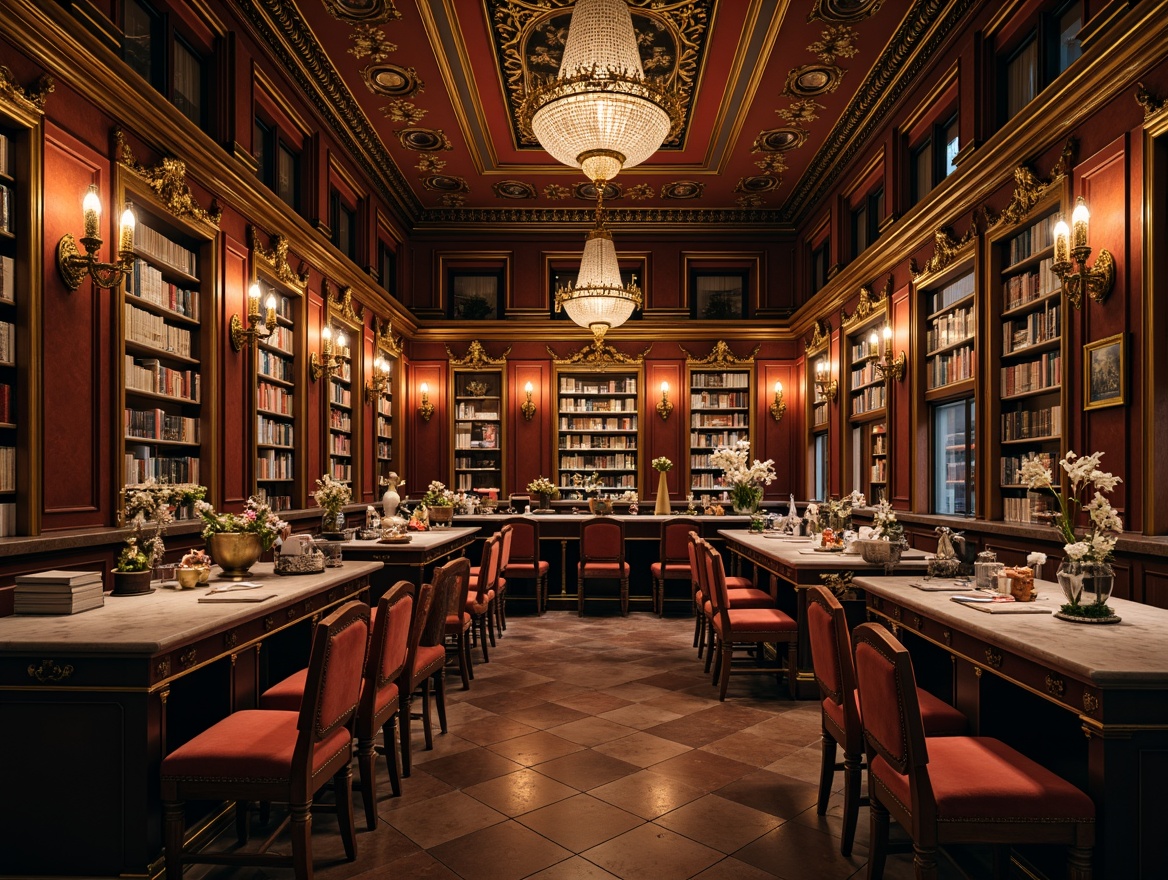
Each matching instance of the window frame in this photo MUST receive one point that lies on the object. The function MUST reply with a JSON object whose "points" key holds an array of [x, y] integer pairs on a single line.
{"points": [[1044, 34], [871, 206], [337, 204], [267, 155]]}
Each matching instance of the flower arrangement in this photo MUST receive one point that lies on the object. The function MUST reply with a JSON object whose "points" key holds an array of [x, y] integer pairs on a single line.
{"points": [[630, 496], [1090, 553], [811, 517], [661, 464], [839, 510], [196, 559], [744, 481], [331, 495], [589, 485], [149, 508], [884, 522], [543, 486], [437, 495], [257, 519]]}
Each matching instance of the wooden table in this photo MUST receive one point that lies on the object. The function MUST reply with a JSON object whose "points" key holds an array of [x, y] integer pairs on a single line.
{"points": [[794, 567], [1088, 701], [91, 703], [413, 561]]}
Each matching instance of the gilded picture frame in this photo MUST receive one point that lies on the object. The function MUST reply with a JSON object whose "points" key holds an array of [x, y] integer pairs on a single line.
{"points": [[1105, 372]]}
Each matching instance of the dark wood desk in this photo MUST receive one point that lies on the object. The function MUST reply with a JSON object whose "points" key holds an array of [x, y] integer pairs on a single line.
{"points": [[413, 561], [91, 703], [1090, 702], [794, 566]]}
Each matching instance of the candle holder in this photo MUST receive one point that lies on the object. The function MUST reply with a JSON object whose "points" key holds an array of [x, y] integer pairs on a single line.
{"points": [[75, 266], [255, 329], [425, 408], [330, 361], [1071, 253], [825, 387], [778, 406], [889, 368], [664, 405], [527, 407], [379, 383]]}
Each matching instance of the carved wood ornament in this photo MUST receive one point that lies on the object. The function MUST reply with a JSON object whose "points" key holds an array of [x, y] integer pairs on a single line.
{"points": [[168, 181], [275, 259], [476, 357], [720, 356], [820, 334], [598, 354]]}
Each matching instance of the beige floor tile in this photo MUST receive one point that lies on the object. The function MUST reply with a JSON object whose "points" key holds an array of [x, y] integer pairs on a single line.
{"points": [[652, 853], [580, 822], [642, 749], [647, 794], [507, 851], [520, 792]]}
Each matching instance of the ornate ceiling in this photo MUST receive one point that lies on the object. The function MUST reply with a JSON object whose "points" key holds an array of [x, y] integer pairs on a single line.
{"points": [[777, 95]]}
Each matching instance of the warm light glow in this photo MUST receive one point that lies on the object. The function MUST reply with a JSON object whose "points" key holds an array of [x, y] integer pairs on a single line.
{"points": [[272, 301], [527, 388], [819, 369], [425, 388], [254, 293], [1079, 219], [778, 388], [873, 339], [341, 340], [128, 222], [91, 211], [887, 332], [327, 334], [664, 387], [1062, 242], [599, 300]]}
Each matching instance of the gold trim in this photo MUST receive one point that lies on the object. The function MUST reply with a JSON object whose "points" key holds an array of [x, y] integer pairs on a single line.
{"points": [[49, 671], [867, 307], [947, 249], [1151, 103], [276, 259], [384, 339], [1029, 188], [29, 100], [476, 357], [168, 180], [720, 356], [341, 308], [598, 353], [820, 335]]}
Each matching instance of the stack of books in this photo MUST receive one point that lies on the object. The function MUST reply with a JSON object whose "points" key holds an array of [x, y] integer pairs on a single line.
{"points": [[58, 592]]}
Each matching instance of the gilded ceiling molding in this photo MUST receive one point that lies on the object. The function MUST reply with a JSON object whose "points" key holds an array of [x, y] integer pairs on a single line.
{"points": [[720, 356], [31, 99], [835, 42], [640, 191], [341, 306], [778, 140], [168, 181], [813, 79], [920, 35], [703, 216], [1029, 188], [275, 260], [1152, 104], [385, 340], [370, 42], [868, 305], [514, 189], [362, 11], [820, 334], [476, 357], [598, 354]]}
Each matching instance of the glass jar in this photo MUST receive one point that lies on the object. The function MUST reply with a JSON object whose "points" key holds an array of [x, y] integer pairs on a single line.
{"points": [[986, 570]]}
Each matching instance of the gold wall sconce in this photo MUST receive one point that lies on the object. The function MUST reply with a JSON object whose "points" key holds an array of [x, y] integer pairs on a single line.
{"points": [[664, 405], [527, 407], [378, 384], [425, 409], [1070, 260], [75, 266], [330, 361], [824, 384], [889, 368], [778, 405], [255, 329]]}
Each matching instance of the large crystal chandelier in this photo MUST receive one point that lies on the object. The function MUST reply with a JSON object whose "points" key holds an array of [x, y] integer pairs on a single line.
{"points": [[600, 114]]}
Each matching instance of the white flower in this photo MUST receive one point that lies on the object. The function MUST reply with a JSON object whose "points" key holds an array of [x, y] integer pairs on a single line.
{"points": [[1101, 545], [1080, 469], [1075, 552], [857, 499], [1103, 515], [1036, 559], [1035, 474], [1103, 480]]}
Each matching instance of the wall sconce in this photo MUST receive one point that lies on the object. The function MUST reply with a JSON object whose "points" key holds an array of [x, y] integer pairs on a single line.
{"points": [[887, 366], [527, 407], [779, 406], [330, 362], [665, 405], [827, 388], [240, 335], [74, 266], [379, 383], [1070, 260], [426, 409]]}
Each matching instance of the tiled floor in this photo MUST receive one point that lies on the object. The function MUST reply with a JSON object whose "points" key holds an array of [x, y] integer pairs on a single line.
{"points": [[597, 748]]}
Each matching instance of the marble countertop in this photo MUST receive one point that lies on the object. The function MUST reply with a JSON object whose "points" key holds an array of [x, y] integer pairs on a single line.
{"points": [[799, 554], [420, 541], [1132, 652], [164, 619], [584, 514]]}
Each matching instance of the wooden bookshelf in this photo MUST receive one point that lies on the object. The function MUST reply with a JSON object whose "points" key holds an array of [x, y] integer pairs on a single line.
{"points": [[383, 402], [478, 396], [866, 397], [598, 415], [342, 395], [721, 397]]}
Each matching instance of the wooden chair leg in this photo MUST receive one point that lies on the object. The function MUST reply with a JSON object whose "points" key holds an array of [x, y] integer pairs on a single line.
{"points": [[540, 595], [826, 771], [392, 757], [490, 618], [463, 670], [466, 652], [427, 732], [1079, 863], [726, 656], [852, 767], [925, 863], [698, 618], [878, 832], [793, 669], [579, 596], [624, 596], [403, 712], [343, 786], [173, 819], [440, 698], [503, 610], [367, 768], [301, 815], [711, 642]]}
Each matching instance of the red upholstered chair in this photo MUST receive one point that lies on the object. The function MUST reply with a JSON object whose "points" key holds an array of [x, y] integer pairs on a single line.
{"points": [[831, 656], [673, 557], [953, 789], [506, 532], [481, 594], [425, 664], [524, 562], [602, 556], [736, 628], [278, 756], [740, 591], [458, 619]]}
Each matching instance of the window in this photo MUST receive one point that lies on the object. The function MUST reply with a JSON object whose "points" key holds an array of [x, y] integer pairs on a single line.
{"points": [[188, 82], [387, 268], [819, 453], [1040, 56], [866, 221], [278, 163], [933, 158], [820, 263], [344, 224], [1021, 78], [142, 42], [953, 463]]}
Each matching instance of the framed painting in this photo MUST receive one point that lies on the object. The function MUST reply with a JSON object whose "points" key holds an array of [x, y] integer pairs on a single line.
{"points": [[1105, 373], [718, 295], [475, 294]]}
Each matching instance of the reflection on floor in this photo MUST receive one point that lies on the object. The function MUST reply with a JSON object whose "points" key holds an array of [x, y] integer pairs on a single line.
{"points": [[597, 748]]}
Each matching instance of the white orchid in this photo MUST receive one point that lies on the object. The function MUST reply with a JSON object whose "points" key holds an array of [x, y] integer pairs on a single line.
{"points": [[1104, 524], [745, 481], [1077, 551]]}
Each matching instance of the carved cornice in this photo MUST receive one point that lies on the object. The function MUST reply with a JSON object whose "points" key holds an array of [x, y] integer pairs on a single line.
{"points": [[385, 340], [365, 12], [840, 11], [341, 308], [1029, 188], [168, 181], [611, 215], [1152, 104], [947, 249], [598, 354], [31, 99], [920, 35], [820, 334], [276, 259], [867, 306], [476, 357], [720, 356]]}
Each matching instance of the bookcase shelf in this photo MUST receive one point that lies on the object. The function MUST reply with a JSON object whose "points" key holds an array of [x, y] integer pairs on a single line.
{"points": [[719, 415], [278, 405], [598, 427], [478, 396]]}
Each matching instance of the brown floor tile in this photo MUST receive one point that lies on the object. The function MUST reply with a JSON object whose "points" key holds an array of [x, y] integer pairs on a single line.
{"points": [[545, 715], [535, 748], [642, 749], [640, 716], [580, 822], [733, 715], [586, 769], [503, 701], [674, 681], [444, 744], [703, 770], [554, 691], [591, 731], [420, 786], [652, 853], [574, 868], [750, 749], [778, 795], [507, 851], [443, 818], [719, 823], [419, 866], [593, 702], [520, 792], [732, 869], [689, 732], [647, 794], [679, 704], [796, 852], [636, 691], [467, 768], [804, 764], [491, 729]]}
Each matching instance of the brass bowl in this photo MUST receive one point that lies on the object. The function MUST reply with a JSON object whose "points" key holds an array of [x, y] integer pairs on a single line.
{"points": [[235, 552]]}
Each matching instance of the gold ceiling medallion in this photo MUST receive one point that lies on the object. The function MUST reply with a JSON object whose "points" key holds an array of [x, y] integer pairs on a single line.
{"points": [[556, 192], [385, 341], [598, 354], [31, 99], [868, 305], [423, 140], [680, 190], [1151, 103], [820, 334], [400, 110], [720, 356], [392, 80], [445, 183], [514, 189], [757, 184], [168, 180], [362, 11], [802, 110], [369, 41], [275, 260], [843, 10], [587, 191], [779, 140], [476, 357], [1029, 188], [813, 79], [771, 163], [530, 36]]}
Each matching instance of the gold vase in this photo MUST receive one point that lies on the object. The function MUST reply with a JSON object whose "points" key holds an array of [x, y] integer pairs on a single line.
{"points": [[235, 552], [662, 507]]}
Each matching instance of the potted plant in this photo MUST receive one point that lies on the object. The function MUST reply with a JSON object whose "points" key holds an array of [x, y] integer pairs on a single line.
{"points": [[332, 496], [591, 486], [200, 562], [663, 466], [745, 481], [148, 508], [887, 539], [236, 540], [1085, 575], [133, 572], [439, 502], [543, 489]]}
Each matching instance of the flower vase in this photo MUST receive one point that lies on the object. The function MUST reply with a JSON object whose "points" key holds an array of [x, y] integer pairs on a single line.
{"points": [[545, 501], [599, 506], [745, 500], [332, 523], [1098, 582], [235, 552], [389, 502], [662, 508], [1070, 577]]}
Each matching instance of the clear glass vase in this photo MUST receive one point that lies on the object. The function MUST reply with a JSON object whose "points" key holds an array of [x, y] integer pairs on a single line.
{"points": [[1070, 577], [1098, 582]]}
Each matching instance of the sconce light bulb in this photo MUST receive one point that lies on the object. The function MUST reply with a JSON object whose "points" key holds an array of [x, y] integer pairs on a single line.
{"points": [[341, 340], [326, 334], [128, 219], [528, 388], [1061, 230], [778, 388], [425, 388], [819, 369], [887, 332], [271, 299], [664, 387], [1080, 214], [254, 293], [873, 339], [91, 204]]}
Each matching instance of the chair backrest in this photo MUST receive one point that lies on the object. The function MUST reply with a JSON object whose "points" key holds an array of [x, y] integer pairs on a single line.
{"points": [[602, 539], [716, 582], [456, 575], [697, 575], [434, 629], [333, 686], [524, 548], [506, 533], [831, 658], [674, 549], [422, 605], [389, 642], [891, 715], [488, 567]]}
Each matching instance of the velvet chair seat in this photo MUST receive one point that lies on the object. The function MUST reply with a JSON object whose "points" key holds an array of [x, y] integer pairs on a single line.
{"points": [[602, 557], [604, 569], [523, 562], [673, 563]]}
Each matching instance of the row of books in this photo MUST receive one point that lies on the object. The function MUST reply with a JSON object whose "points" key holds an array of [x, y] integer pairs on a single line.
{"points": [[706, 482], [720, 380], [273, 500], [281, 338], [272, 464], [863, 349], [708, 440], [953, 292], [471, 411], [819, 416], [158, 247], [147, 374], [274, 398], [864, 374], [142, 465], [150, 329], [951, 328], [146, 283], [721, 420], [575, 423], [340, 395], [706, 400], [571, 385], [1028, 423], [341, 471], [157, 424], [384, 427], [340, 420], [5, 155], [589, 404], [340, 444], [471, 482], [476, 437], [1038, 237], [476, 462], [273, 365], [58, 592], [952, 366], [7, 519], [879, 471], [275, 431], [5, 402], [1037, 375], [1011, 466], [591, 441], [1041, 326], [384, 449], [622, 482], [7, 208], [591, 462], [7, 279], [1017, 290], [7, 469], [1031, 509], [871, 398], [7, 348]]}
